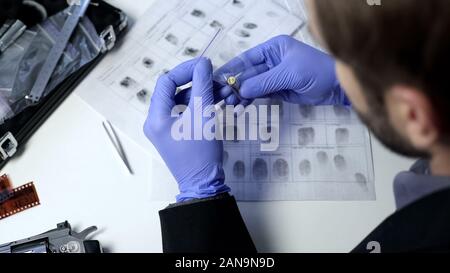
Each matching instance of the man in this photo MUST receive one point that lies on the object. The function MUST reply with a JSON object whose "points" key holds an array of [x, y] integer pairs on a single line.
{"points": [[391, 61]]}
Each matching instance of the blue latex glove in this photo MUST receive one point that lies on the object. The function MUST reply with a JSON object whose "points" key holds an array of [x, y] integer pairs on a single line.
{"points": [[195, 164], [286, 69]]}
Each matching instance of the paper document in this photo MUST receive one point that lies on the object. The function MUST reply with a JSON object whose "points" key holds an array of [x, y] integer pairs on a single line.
{"points": [[325, 152]]}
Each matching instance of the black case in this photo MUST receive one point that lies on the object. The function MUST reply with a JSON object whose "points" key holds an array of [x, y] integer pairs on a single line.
{"points": [[110, 24]]}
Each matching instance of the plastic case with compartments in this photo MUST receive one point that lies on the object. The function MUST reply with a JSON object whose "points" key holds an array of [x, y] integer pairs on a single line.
{"points": [[110, 24]]}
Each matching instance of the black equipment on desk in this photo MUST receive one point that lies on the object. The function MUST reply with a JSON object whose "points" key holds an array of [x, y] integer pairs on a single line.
{"points": [[60, 240], [33, 82]]}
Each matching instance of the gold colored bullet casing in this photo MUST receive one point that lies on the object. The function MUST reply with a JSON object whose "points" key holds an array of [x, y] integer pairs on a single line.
{"points": [[232, 81]]}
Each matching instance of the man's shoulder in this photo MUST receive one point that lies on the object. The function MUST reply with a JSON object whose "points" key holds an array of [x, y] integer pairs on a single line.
{"points": [[423, 226]]}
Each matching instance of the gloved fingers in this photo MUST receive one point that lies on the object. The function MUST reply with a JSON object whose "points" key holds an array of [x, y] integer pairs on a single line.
{"points": [[225, 91], [163, 99], [234, 65], [235, 100], [202, 83], [252, 72], [232, 100], [182, 74], [183, 97], [258, 55], [287, 95], [263, 85], [221, 91], [246, 103], [268, 53]]}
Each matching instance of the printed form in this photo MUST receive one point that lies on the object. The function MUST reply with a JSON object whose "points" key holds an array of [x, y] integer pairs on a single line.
{"points": [[324, 153]]}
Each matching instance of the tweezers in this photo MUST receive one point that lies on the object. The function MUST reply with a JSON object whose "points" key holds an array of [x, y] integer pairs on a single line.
{"points": [[112, 134]]}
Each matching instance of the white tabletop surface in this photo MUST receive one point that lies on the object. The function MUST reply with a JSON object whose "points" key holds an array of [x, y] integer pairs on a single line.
{"points": [[80, 178]]}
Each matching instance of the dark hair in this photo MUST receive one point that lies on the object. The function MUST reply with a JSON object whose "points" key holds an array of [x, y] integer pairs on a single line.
{"points": [[397, 42]]}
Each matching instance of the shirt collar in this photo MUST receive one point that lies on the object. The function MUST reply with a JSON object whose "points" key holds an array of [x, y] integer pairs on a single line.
{"points": [[417, 183]]}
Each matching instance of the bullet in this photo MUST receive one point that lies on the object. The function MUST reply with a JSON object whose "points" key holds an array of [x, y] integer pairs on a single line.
{"points": [[232, 81]]}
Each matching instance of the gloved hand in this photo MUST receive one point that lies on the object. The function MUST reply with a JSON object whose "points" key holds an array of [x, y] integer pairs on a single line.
{"points": [[195, 164], [286, 69]]}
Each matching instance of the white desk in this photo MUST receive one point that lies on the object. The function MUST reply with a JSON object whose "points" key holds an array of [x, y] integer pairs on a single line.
{"points": [[80, 178]]}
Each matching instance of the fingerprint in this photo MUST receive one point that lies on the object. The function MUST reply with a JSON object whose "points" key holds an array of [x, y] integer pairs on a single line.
{"points": [[340, 162], [260, 169], [216, 24], [306, 136], [250, 25], [190, 51], [306, 111], [242, 33], [239, 169], [305, 168], [342, 136], [281, 168], [127, 82], [143, 96], [225, 157], [360, 178], [148, 63], [342, 111], [171, 39], [238, 3], [198, 13], [322, 157], [362, 181]]}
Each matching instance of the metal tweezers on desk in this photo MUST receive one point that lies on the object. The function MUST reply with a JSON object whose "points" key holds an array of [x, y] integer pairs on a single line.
{"points": [[117, 144]]}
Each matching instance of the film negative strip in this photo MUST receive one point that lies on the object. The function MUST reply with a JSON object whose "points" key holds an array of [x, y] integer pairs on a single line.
{"points": [[20, 199], [5, 188]]}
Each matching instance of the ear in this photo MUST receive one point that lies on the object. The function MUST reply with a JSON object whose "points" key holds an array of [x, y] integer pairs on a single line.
{"points": [[411, 113]]}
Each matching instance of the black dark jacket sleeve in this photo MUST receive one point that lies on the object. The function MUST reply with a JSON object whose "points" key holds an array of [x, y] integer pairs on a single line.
{"points": [[216, 226], [205, 226], [422, 227]]}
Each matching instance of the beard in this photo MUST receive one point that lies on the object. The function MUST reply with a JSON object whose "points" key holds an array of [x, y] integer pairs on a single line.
{"points": [[378, 122]]}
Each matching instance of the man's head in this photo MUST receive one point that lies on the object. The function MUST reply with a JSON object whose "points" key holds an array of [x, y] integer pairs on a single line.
{"points": [[392, 61]]}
